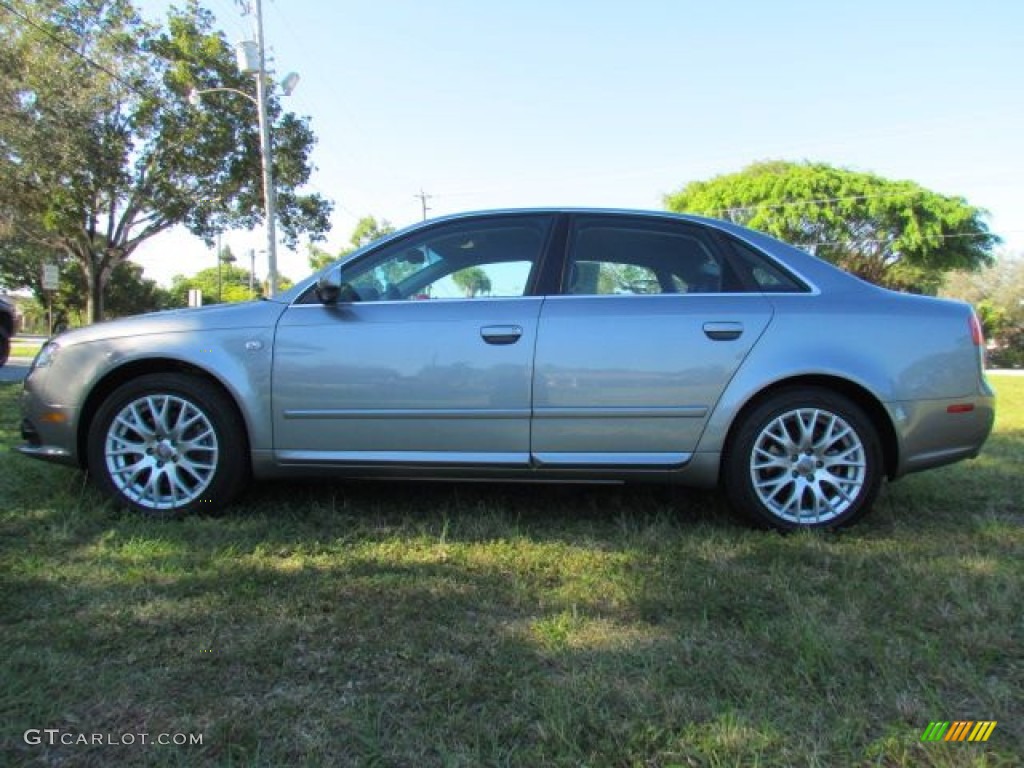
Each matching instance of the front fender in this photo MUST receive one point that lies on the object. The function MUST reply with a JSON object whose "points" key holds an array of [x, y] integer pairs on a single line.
{"points": [[239, 360]]}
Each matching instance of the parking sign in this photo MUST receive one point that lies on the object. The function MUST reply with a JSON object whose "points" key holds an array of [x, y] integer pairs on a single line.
{"points": [[51, 277]]}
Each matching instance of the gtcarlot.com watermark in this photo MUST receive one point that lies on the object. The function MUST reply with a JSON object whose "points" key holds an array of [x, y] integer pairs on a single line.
{"points": [[52, 737]]}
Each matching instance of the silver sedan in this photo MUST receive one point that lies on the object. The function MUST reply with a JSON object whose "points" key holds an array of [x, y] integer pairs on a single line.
{"points": [[547, 345]]}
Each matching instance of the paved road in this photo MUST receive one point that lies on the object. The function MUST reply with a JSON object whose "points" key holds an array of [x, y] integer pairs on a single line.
{"points": [[15, 369]]}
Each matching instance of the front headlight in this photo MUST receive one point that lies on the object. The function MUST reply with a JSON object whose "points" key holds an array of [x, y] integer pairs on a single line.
{"points": [[46, 355]]}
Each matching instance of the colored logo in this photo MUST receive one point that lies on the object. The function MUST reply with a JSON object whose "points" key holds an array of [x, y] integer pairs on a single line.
{"points": [[959, 730]]}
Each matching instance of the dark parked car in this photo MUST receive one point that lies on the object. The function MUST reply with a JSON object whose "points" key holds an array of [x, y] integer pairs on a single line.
{"points": [[6, 330], [549, 345]]}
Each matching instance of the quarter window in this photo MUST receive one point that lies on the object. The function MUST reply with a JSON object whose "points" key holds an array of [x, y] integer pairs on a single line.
{"points": [[768, 276]]}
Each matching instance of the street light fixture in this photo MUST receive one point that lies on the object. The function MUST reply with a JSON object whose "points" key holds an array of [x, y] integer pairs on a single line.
{"points": [[247, 52], [195, 95], [269, 193]]}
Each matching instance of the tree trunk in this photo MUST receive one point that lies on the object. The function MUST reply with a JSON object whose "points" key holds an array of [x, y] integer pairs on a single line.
{"points": [[94, 303], [97, 274]]}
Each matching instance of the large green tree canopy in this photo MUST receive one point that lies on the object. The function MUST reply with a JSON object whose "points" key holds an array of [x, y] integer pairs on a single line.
{"points": [[892, 233], [100, 148], [366, 231]]}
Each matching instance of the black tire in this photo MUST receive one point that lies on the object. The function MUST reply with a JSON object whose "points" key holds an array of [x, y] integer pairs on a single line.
{"points": [[806, 457], [5, 347], [167, 445]]}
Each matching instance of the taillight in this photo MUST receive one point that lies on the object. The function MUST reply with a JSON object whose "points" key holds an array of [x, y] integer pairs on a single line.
{"points": [[978, 339], [977, 335]]}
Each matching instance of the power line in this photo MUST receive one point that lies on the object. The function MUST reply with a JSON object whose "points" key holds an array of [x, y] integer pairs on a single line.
{"points": [[71, 49], [879, 241], [229, 17], [795, 203]]}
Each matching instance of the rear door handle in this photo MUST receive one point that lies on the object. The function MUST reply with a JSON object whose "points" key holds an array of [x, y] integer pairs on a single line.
{"points": [[501, 334], [723, 331]]}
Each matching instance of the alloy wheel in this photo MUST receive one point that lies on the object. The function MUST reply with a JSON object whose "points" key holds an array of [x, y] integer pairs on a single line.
{"points": [[808, 465], [161, 451]]}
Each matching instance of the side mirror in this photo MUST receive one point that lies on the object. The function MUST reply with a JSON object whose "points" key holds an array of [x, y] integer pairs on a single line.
{"points": [[328, 287]]}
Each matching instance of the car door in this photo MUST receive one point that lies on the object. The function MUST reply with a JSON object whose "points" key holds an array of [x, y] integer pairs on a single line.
{"points": [[632, 356], [425, 359]]}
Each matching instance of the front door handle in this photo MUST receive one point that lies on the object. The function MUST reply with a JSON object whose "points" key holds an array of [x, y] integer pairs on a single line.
{"points": [[723, 331], [501, 334]]}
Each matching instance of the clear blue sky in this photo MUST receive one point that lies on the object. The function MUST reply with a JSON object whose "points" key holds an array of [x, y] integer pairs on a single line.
{"points": [[584, 102]]}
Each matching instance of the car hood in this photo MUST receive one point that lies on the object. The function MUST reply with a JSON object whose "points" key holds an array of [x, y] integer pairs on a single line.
{"points": [[252, 314]]}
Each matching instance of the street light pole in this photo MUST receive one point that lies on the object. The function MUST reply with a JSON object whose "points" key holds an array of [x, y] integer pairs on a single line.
{"points": [[269, 192], [269, 197], [259, 70]]}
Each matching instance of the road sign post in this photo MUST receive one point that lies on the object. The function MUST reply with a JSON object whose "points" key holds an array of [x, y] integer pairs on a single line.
{"points": [[51, 281]]}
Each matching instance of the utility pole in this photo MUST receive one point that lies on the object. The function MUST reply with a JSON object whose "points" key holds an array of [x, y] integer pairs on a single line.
{"points": [[423, 197], [252, 273], [269, 192], [220, 279]]}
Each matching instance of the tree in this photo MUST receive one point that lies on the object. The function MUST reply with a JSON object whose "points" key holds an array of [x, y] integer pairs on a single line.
{"points": [[893, 233], [128, 291], [367, 230], [100, 149], [473, 281], [21, 265], [225, 256], [997, 293], [231, 283], [224, 283]]}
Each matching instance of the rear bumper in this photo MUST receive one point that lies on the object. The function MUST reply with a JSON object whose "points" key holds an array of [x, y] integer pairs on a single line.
{"points": [[933, 433]]}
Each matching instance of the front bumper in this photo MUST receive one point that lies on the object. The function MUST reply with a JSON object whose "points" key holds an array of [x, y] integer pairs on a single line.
{"points": [[46, 453], [48, 430]]}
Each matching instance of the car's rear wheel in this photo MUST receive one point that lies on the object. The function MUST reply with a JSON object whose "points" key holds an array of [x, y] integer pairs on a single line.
{"points": [[168, 444], [804, 458], [5, 347]]}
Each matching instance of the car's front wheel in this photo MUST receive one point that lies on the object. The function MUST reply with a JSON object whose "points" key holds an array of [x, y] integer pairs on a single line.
{"points": [[804, 458], [168, 444]]}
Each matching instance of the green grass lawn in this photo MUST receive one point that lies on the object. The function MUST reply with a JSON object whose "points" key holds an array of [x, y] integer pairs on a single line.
{"points": [[481, 625], [21, 349]]}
